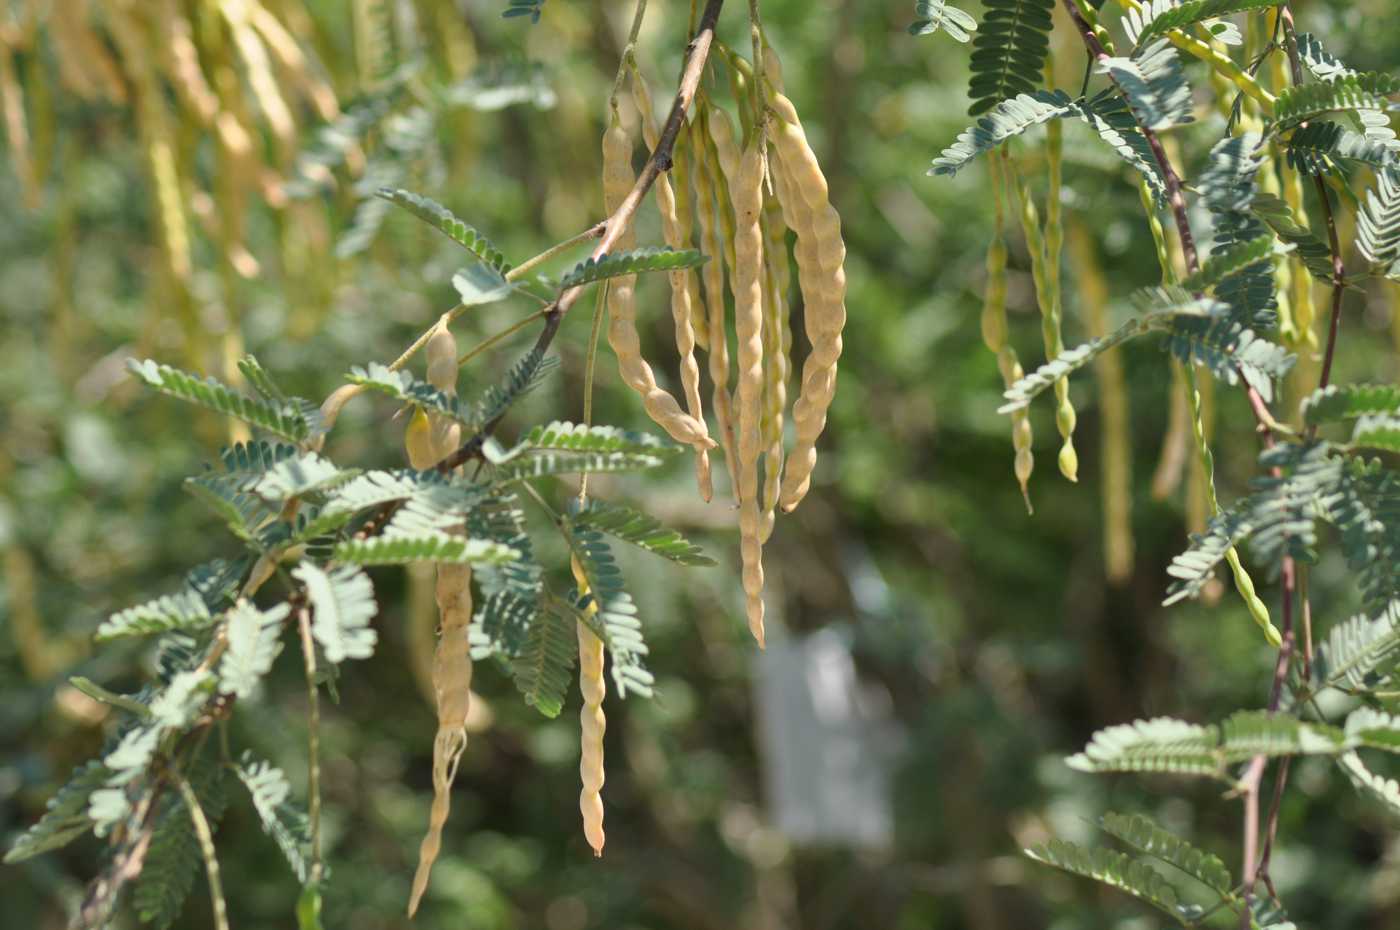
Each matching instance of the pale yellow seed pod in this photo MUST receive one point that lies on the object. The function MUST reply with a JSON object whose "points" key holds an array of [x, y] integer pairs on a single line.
{"points": [[681, 173], [452, 679], [83, 60], [821, 255], [622, 305], [683, 285], [592, 723], [746, 193], [775, 354], [442, 374], [709, 208]]}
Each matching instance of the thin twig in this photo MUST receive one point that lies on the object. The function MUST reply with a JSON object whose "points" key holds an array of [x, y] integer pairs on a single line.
{"points": [[313, 723], [506, 333], [530, 264], [205, 836]]}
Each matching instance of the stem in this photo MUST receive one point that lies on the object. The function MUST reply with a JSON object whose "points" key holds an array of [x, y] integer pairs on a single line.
{"points": [[506, 333], [530, 264], [313, 788], [628, 49], [697, 53], [205, 836], [588, 371]]}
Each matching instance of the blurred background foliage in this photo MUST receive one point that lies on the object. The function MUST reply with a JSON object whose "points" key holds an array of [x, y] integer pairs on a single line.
{"points": [[192, 216]]}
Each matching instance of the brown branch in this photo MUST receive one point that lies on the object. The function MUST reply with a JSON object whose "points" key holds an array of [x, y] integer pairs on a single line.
{"points": [[697, 53]]}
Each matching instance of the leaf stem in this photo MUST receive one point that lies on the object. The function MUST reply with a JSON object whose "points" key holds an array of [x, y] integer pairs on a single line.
{"points": [[205, 836], [530, 264], [313, 777]]}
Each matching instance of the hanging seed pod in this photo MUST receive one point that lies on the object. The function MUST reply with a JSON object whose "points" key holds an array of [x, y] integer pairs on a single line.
{"points": [[83, 60], [994, 329], [777, 337], [592, 722], [622, 305], [821, 274], [747, 197], [683, 284]]}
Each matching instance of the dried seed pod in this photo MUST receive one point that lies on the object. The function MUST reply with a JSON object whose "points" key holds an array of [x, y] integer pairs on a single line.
{"points": [[83, 60], [182, 64], [452, 679], [622, 305], [592, 722], [746, 192], [775, 353], [821, 255], [710, 208], [685, 217], [683, 284]]}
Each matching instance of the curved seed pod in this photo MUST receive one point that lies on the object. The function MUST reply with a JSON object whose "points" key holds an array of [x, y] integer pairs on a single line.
{"points": [[1243, 583], [775, 353], [452, 678], [710, 208], [442, 374], [592, 722], [747, 196], [685, 217], [622, 304], [83, 60], [994, 328], [683, 284], [821, 274], [182, 64]]}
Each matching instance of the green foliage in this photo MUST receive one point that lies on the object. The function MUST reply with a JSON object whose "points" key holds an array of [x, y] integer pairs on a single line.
{"points": [[444, 220], [1355, 649], [634, 261], [285, 420], [1382, 790], [541, 669], [428, 546], [1154, 84], [566, 448], [1133, 876], [1005, 120], [934, 15], [1315, 254], [616, 622], [1378, 223], [342, 603], [183, 611], [1162, 16], [1348, 93], [1338, 402], [1323, 147], [1158, 745], [253, 639], [1149, 838], [1230, 260], [281, 819], [639, 529], [65, 816], [173, 860], [1009, 51]]}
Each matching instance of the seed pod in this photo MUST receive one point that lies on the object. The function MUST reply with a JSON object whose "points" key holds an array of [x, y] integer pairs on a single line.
{"points": [[622, 304], [452, 679], [683, 284], [442, 374], [821, 255], [592, 722], [83, 60], [681, 168], [776, 344], [747, 197], [710, 208], [994, 326]]}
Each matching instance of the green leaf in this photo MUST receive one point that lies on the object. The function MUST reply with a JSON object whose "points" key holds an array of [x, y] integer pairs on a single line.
{"points": [[1231, 259], [634, 261], [371, 489], [281, 419], [1006, 120], [1246, 734], [542, 669], [1155, 85], [524, 376], [1149, 838], [1162, 16], [1112, 868], [502, 625], [297, 477], [1372, 729], [1378, 224], [1377, 787], [1158, 745], [616, 621], [1316, 148], [566, 448], [281, 819], [937, 14], [98, 693], [65, 818], [1338, 402], [401, 385], [253, 643], [1008, 55], [1350, 93], [1376, 431], [1229, 351], [343, 604], [183, 611], [477, 285], [1315, 254], [261, 381], [444, 220], [426, 547], [1355, 649], [639, 529]]}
